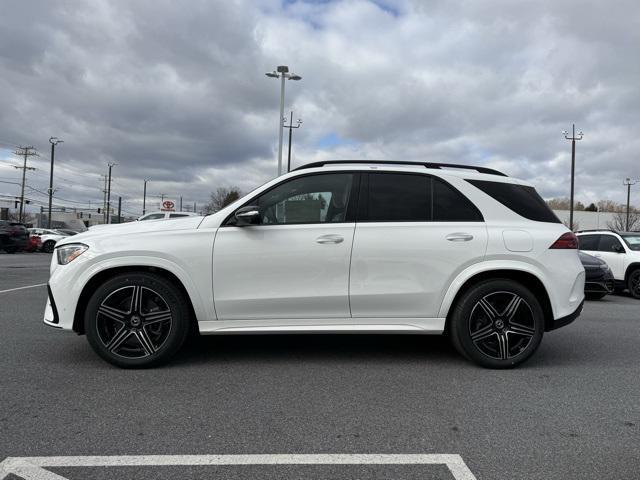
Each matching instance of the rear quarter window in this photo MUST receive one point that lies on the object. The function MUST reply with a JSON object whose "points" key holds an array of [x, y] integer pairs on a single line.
{"points": [[521, 199]]}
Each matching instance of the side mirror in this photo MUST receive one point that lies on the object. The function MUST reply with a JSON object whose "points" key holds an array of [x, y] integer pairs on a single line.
{"points": [[618, 249], [247, 215]]}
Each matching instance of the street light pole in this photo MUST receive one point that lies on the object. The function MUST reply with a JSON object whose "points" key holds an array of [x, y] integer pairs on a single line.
{"points": [[144, 197], [111, 165], [628, 182], [573, 139], [282, 72], [291, 127], [53, 141]]}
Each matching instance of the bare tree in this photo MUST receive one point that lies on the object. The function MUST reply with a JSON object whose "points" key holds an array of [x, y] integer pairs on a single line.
{"points": [[619, 220], [563, 204], [609, 206], [222, 197], [27, 218]]}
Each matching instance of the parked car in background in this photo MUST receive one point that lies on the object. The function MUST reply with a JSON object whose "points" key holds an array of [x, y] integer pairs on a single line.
{"points": [[165, 215], [620, 250], [49, 237], [333, 247], [34, 245], [599, 280], [66, 231], [14, 236]]}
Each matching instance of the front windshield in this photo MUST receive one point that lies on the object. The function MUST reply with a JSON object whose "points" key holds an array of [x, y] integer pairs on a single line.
{"points": [[632, 241]]}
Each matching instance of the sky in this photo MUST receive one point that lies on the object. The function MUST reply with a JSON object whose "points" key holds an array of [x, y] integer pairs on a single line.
{"points": [[176, 92]]}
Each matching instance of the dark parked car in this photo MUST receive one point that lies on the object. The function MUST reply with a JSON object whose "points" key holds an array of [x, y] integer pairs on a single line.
{"points": [[599, 279], [13, 236]]}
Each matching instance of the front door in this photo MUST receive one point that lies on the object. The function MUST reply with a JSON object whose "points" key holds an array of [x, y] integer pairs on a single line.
{"points": [[294, 263]]}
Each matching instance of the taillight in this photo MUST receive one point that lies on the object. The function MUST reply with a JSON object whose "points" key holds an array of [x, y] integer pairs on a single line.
{"points": [[566, 241]]}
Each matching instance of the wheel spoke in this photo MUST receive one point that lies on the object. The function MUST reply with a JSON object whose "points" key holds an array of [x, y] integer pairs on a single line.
{"points": [[118, 338], [503, 346], [521, 329], [112, 313], [136, 299], [512, 307], [483, 333], [488, 309], [157, 317], [145, 341]]}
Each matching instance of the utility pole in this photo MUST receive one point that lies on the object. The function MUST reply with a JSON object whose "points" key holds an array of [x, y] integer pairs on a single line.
{"points": [[119, 208], [111, 165], [144, 197], [291, 127], [25, 152], [180, 203], [53, 141], [194, 207], [628, 182], [104, 200], [573, 139]]}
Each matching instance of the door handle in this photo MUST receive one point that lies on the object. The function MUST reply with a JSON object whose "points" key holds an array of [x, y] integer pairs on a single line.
{"points": [[329, 239], [459, 237]]}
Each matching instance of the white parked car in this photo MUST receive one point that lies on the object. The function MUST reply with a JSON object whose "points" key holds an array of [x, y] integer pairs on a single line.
{"points": [[49, 237], [165, 215], [620, 250], [336, 247]]}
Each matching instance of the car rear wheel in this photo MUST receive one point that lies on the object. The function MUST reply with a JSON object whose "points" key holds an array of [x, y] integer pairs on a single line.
{"points": [[497, 324], [48, 246], [137, 320], [633, 283]]}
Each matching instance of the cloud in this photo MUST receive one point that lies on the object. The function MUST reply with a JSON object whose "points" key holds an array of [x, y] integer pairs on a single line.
{"points": [[177, 93]]}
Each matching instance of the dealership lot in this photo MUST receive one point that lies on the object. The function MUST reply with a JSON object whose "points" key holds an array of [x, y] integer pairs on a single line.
{"points": [[572, 411]]}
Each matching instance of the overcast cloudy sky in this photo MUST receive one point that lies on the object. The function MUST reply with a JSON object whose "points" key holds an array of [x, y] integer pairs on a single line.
{"points": [[175, 91]]}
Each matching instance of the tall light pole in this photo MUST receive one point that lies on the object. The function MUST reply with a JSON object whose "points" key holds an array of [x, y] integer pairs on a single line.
{"points": [[144, 197], [53, 141], [111, 165], [282, 72], [628, 182], [573, 139], [291, 127]]}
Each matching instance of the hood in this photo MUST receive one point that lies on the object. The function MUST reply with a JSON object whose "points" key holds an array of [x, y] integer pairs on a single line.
{"points": [[590, 260], [118, 229]]}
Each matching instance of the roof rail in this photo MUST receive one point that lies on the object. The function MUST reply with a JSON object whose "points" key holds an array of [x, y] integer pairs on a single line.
{"points": [[486, 170], [598, 230]]}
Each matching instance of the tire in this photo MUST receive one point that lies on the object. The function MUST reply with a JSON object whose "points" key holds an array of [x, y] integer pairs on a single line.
{"points": [[145, 336], [48, 246], [497, 323], [633, 283], [595, 295]]}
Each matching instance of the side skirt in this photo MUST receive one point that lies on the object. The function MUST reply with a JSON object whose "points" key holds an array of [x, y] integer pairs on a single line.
{"points": [[428, 326]]}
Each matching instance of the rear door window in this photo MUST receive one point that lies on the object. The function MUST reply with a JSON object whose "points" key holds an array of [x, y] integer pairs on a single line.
{"points": [[588, 242], [521, 199], [399, 197]]}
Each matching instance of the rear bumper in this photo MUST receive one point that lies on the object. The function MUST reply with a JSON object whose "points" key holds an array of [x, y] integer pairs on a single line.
{"points": [[561, 322]]}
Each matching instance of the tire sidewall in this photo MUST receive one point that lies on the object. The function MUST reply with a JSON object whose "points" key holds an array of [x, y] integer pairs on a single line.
{"points": [[462, 312], [631, 276], [171, 295]]}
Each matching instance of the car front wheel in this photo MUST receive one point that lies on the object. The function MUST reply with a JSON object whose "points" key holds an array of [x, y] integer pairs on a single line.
{"points": [[137, 320], [497, 323], [633, 283]]}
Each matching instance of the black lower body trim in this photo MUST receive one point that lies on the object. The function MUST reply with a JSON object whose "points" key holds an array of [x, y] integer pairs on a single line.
{"points": [[564, 321], [56, 319]]}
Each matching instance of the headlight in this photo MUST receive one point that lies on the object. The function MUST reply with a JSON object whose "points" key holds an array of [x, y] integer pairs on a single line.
{"points": [[69, 253]]}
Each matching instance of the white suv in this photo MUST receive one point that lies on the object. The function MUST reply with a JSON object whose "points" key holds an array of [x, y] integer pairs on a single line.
{"points": [[332, 247], [621, 251]]}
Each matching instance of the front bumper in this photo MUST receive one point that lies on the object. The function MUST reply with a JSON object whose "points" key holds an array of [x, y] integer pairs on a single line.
{"points": [[51, 317]]}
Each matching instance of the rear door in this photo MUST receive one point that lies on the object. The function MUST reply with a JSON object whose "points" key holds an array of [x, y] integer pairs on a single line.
{"points": [[413, 235]]}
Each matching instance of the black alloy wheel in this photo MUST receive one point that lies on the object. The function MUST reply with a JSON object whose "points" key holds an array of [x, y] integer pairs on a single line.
{"points": [[633, 283], [497, 324], [137, 320], [48, 246]]}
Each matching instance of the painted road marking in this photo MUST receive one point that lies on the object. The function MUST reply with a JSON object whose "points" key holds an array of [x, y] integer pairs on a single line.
{"points": [[22, 288], [33, 468]]}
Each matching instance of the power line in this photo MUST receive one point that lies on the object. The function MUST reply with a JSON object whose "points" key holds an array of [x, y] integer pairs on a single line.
{"points": [[25, 152]]}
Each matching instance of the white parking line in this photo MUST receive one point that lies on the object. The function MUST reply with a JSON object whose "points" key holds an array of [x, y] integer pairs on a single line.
{"points": [[32, 468], [22, 288]]}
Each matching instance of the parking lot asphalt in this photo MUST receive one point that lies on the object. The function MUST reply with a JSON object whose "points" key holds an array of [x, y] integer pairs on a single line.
{"points": [[571, 412]]}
